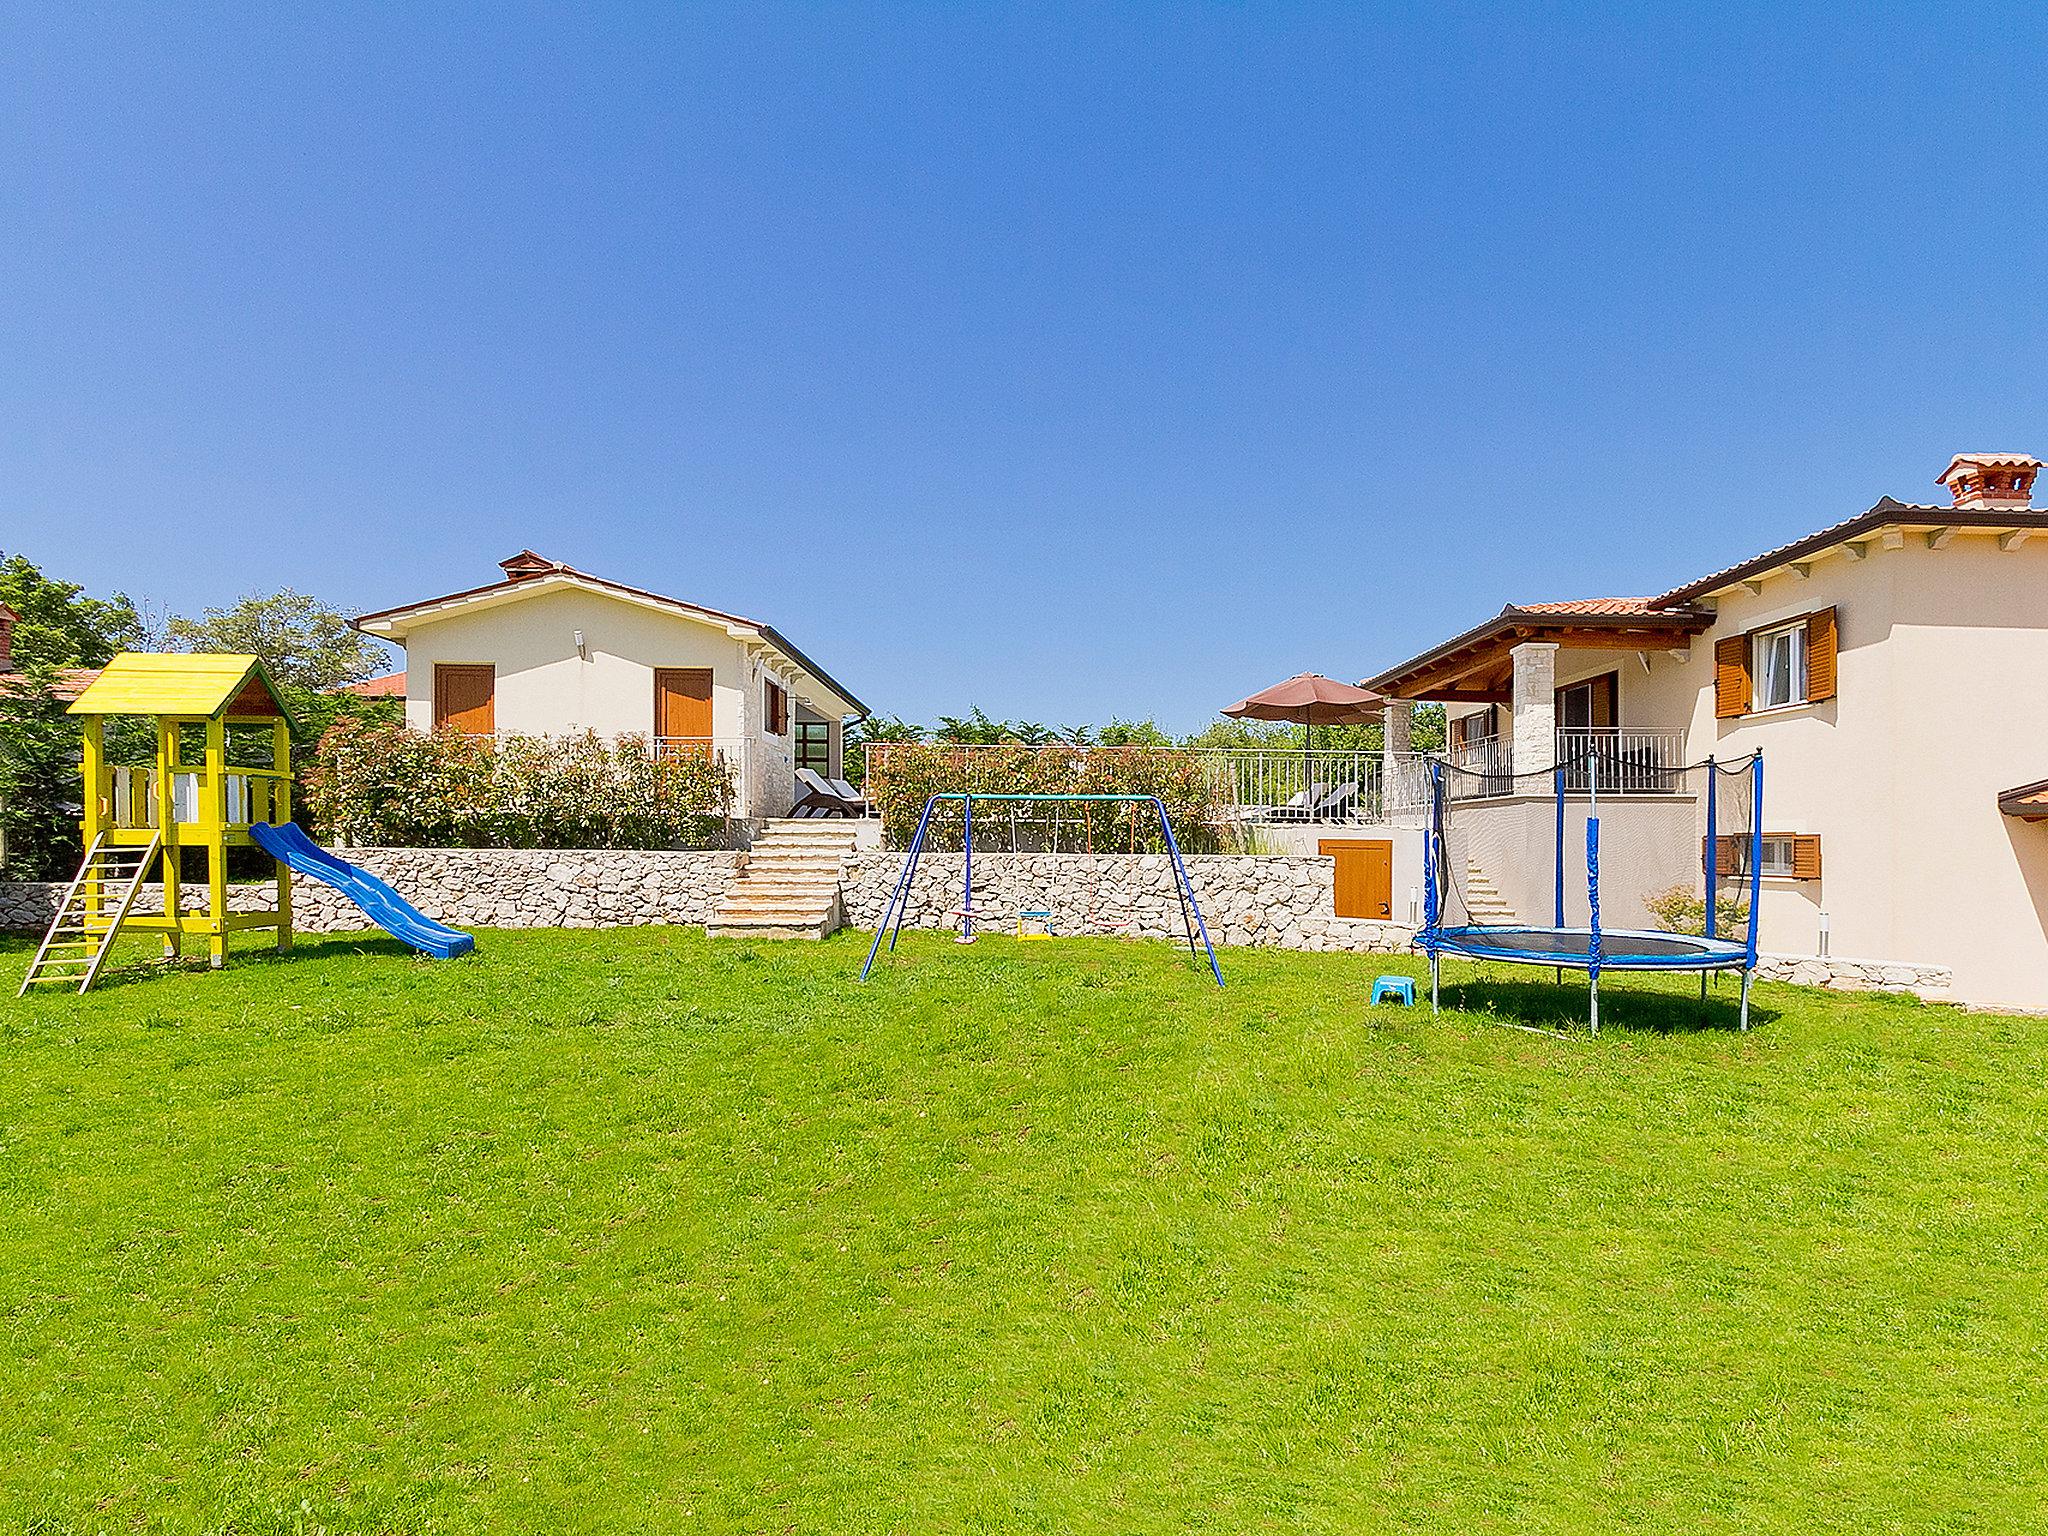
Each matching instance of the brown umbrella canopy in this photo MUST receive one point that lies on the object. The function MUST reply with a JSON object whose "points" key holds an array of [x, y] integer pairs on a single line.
{"points": [[1309, 700]]}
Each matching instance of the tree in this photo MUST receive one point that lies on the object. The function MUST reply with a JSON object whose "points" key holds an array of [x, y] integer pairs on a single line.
{"points": [[57, 627], [873, 730], [304, 643], [1132, 733]]}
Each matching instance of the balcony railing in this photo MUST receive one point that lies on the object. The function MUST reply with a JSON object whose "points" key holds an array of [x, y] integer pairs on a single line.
{"points": [[1488, 765], [1623, 759], [1254, 785], [1627, 761]]}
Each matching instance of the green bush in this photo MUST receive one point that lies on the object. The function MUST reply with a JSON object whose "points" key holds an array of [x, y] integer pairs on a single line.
{"points": [[1684, 910], [904, 776], [381, 784]]}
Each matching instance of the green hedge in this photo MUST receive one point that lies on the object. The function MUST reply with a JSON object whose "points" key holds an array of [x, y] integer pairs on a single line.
{"points": [[384, 785], [903, 776]]}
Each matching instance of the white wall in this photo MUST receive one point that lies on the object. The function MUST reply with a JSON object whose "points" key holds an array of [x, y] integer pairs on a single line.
{"points": [[1936, 710], [1938, 706], [545, 686]]}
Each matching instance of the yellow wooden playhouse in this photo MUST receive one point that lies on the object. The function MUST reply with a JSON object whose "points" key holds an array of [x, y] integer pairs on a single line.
{"points": [[213, 715]]}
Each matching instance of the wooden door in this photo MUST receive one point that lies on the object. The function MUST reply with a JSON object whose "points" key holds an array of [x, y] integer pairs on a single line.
{"points": [[465, 698], [1365, 876], [682, 708]]}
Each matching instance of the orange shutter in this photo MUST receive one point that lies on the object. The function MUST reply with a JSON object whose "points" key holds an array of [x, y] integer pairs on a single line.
{"points": [[1805, 858], [1731, 855], [1820, 655], [1731, 677]]}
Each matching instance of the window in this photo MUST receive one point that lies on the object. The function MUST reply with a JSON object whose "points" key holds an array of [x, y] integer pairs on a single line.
{"points": [[814, 746], [1779, 657], [1791, 856], [1776, 668], [1466, 730], [775, 708]]}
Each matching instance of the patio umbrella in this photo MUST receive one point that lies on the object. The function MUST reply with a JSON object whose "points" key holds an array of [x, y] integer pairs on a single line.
{"points": [[1309, 699]]}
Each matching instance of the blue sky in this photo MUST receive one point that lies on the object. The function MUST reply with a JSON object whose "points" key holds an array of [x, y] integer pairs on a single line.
{"points": [[1061, 361]]}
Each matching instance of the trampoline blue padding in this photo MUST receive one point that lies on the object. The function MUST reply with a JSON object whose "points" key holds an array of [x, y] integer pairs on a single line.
{"points": [[1621, 949]]}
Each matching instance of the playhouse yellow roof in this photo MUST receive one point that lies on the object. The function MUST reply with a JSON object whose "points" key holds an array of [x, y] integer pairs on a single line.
{"points": [[195, 686]]}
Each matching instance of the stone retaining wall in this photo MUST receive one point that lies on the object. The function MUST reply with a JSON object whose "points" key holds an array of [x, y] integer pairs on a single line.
{"points": [[471, 888], [1281, 901], [1934, 982]]}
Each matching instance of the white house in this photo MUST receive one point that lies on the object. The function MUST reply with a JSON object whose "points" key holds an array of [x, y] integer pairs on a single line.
{"points": [[1884, 666], [550, 649]]}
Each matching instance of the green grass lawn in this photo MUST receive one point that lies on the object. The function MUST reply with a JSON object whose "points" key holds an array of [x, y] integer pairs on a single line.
{"points": [[630, 1230]]}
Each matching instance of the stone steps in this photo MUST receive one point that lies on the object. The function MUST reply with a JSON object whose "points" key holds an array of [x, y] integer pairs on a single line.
{"points": [[1483, 903], [788, 886]]}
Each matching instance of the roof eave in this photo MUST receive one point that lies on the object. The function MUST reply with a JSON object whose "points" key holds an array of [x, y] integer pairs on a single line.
{"points": [[396, 623], [1887, 514], [1681, 621]]}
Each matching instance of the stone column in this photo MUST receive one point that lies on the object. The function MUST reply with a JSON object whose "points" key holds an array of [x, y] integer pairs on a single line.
{"points": [[1398, 720], [1535, 718]]}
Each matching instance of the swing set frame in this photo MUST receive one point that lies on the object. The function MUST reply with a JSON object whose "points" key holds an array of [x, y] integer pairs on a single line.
{"points": [[891, 925]]}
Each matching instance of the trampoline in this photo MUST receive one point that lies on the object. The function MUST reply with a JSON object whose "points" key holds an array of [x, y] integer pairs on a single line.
{"points": [[1674, 837]]}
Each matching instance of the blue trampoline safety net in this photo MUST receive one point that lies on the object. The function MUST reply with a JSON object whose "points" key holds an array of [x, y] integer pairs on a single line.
{"points": [[1608, 860]]}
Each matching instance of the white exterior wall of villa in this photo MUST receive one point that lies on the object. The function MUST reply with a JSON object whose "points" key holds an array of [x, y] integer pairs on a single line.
{"points": [[1898, 774], [544, 685]]}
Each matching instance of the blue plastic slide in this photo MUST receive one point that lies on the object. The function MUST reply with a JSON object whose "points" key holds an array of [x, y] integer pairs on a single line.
{"points": [[290, 846]]}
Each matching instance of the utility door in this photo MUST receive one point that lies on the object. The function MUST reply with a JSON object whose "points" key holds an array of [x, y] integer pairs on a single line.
{"points": [[1365, 876], [465, 698], [682, 708]]}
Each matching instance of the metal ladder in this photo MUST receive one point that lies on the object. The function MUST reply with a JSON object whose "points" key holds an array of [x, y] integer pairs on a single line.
{"points": [[95, 905]]}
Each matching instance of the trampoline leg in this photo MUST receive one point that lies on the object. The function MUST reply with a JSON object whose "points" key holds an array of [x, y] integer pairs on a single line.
{"points": [[1596, 1002], [1745, 1000], [1433, 962]]}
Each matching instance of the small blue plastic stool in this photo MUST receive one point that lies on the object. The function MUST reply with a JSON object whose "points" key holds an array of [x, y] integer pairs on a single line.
{"points": [[1400, 988]]}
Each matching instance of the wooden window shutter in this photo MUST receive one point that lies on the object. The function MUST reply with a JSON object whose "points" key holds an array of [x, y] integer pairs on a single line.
{"points": [[1606, 701], [1731, 677], [1805, 857], [1820, 655], [1731, 856]]}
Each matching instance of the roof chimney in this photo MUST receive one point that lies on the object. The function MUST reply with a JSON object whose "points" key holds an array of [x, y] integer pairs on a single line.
{"points": [[7, 618], [525, 564], [1990, 482]]}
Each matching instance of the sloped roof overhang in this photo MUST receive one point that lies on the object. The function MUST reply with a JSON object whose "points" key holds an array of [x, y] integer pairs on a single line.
{"points": [[396, 623], [1477, 666]]}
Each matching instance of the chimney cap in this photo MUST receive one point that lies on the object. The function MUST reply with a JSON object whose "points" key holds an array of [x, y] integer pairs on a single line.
{"points": [[1993, 482], [1987, 461], [526, 563]]}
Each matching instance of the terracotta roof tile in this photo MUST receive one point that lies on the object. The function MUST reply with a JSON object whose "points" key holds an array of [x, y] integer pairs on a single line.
{"points": [[1590, 607], [390, 686], [71, 681]]}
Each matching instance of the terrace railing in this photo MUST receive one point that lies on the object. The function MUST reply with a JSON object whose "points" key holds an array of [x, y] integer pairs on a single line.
{"points": [[1488, 765], [1630, 761], [1259, 785]]}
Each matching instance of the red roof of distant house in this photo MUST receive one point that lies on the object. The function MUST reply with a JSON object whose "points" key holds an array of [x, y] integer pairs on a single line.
{"points": [[390, 686], [71, 681]]}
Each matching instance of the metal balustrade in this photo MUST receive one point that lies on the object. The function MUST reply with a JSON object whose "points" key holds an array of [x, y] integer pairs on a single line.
{"points": [[1630, 761], [1256, 785]]}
